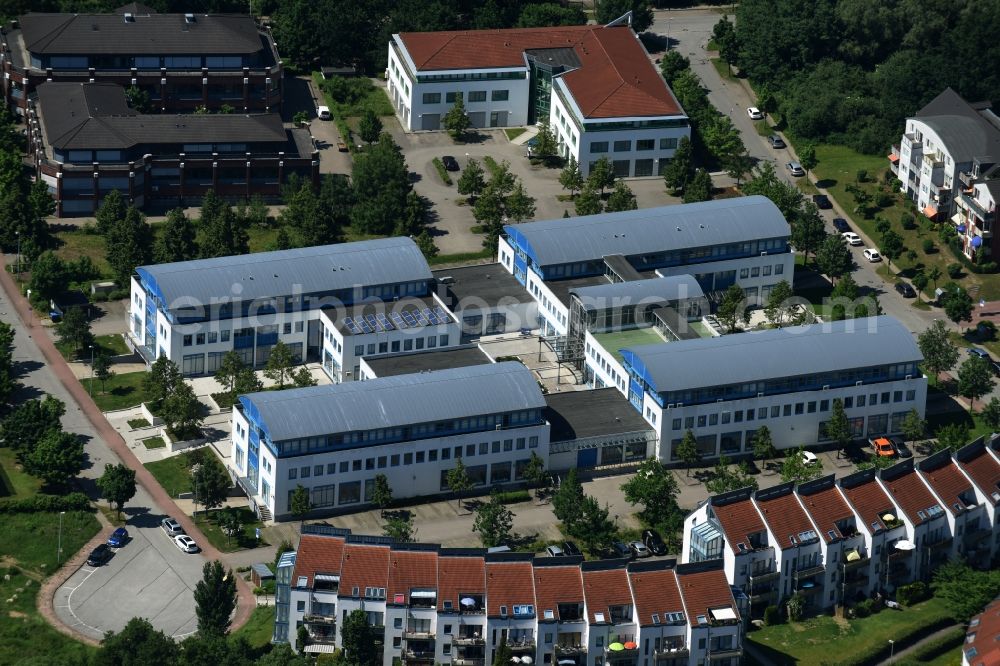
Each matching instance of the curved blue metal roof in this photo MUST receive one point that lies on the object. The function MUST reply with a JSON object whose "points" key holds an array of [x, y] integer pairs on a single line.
{"points": [[649, 230]]}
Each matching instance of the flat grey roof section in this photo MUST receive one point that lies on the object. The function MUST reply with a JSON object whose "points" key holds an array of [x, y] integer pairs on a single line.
{"points": [[581, 414], [159, 34], [659, 289], [619, 264], [381, 316], [774, 353], [310, 270], [486, 282], [388, 402], [636, 232], [562, 289], [677, 325], [390, 366]]}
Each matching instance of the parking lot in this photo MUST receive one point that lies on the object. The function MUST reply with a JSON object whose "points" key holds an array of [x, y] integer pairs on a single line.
{"points": [[148, 577]]}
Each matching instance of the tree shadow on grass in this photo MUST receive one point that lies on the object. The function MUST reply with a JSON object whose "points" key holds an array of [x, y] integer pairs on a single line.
{"points": [[826, 183]]}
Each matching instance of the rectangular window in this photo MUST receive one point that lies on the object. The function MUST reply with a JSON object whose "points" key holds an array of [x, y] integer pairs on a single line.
{"points": [[213, 337], [800, 407], [668, 144], [394, 460], [420, 456], [911, 395], [356, 465], [420, 343], [305, 472], [432, 98], [861, 400], [645, 144], [779, 269], [299, 326], [293, 474], [369, 463], [824, 405], [286, 329], [477, 95], [408, 344], [623, 146], [775, 411], [848, 402], [331, 468], [349, 493], [317, 470], [345, 466], [187, 340], [812, 407], [676, 424], [407, 458], [500, 95], [452, 96], [787, 411], [443, 340], [225, 336], [599, 147]]}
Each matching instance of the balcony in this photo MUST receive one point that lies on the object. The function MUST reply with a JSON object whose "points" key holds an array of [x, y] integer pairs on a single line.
{"points": [[855, 564], [571, 649], [418, 655], [973, 537], [468, 640], [967, 179], [757, 578], [468, 661], [726, 653], [943, 542], [418, 634], [323, 637], [626, 653], [764, 595], [671, 651], [327, 620], [521, 644], [810, 571]]}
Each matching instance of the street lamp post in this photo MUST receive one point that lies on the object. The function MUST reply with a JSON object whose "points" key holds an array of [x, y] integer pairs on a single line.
{"points": [[91, 371], [892, 649], [668, 34], [59, 541], [18, 234]]}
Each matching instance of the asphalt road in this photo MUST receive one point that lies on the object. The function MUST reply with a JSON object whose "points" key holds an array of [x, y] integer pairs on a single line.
{"points": [[149, 576]]}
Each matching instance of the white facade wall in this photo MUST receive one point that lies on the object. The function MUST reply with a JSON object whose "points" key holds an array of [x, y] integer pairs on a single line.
{"points": [[342, 354], [928, 159], [607, 369], [407, 479], [575, 140], [757, 275], [787, 431], [553, 314]]}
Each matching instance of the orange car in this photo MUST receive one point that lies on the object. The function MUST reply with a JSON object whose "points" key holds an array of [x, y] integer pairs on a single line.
{"points": [[883, 447]]}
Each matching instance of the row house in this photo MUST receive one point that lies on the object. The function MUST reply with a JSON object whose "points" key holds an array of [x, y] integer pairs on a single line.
{"points": [[836, 541], [433, 605]]}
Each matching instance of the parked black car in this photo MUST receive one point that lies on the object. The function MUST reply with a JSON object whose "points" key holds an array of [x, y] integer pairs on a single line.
{"points": [[450, 163], [822, 201], [906, 290], [570, 548], [902, 450], [618, 550], [841, 225], [99, 555], [653, 541]]}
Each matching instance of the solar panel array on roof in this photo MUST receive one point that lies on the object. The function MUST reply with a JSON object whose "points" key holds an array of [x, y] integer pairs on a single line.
{"points": [[401, 320]]}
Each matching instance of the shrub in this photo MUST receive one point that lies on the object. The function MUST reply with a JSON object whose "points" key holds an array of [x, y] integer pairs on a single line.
{"points": [[912, 593], [862, 176], [883, 199], [442, 171], [929, 246], [795, 606], [772, 616], [908, 221], [911, 255], [954, 270], [896, 184], [514, 496], [46, 503], [946, 232], [987, 330]]}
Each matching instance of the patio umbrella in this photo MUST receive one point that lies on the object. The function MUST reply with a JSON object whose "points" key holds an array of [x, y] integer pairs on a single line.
{"points": [[616, 647], [467, 602], [526, 659], [566, 662], [888, 517], [515, 660], [853, 556], [630, 645]]}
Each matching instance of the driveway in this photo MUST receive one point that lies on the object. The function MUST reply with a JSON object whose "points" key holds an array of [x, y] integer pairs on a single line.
{"points": [[148, 577]]}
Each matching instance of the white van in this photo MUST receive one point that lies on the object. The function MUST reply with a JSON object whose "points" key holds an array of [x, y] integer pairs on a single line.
{"points": [[323, 113]]}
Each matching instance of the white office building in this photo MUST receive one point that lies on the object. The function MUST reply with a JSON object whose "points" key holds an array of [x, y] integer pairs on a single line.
{"points": [[193, 312], [595, 85], [335, 439]]}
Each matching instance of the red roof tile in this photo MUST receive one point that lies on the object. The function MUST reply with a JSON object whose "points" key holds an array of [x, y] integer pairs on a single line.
{"points": [[785, 517], [411, 569], [604, 589], [364, 566], [739, 520], [459, 576], [948, 482], [983, 634], [827, 507], [317, 554], [655, 592], [911, 495], [615, 78], [554, 586], [871, 503], [703, 591], [985, 471], [508, 584]]}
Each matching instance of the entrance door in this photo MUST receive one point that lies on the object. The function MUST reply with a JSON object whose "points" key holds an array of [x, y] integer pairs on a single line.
{"points": [[498, 119], [430, 121]]}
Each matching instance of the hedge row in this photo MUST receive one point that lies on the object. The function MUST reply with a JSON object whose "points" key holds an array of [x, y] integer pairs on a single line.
{"points": [[947, 643], [45, 503], [881, 653]]}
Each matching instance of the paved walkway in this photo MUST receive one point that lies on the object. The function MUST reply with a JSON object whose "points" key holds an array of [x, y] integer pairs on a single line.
{"points": [[110, 437], [899, 655]]}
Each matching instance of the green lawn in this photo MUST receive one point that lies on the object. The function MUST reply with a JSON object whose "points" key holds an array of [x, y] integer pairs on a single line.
{"points": [[154, 443], [210, 528], [121, 391], [827, 639], [365, 96], [173, 473], [460, 258], [514, 132], [259, 627], [612, 342], [14, 482], [76, 243], [113, 345]]}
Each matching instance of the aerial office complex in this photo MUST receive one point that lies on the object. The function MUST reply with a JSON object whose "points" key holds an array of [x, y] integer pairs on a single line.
{"points": [[594, 85], [436, 605], [834, 541]]}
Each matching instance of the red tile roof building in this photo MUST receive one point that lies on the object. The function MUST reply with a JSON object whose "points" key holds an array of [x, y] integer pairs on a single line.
{"points": [[508, 584], [554, 586], [606, 588], [911, 495], [785, 517], [740, 521], [983, 468], [593, 84], [829, 511], [982, 639], [655, 593]]}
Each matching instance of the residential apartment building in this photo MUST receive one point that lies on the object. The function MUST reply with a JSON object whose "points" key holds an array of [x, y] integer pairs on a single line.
{"points": [[723, 388], [594, 85], [837, 541], [982, 638], [85, 141], [438, 605], [335, 439], [193, 312], [742, 241], [945, 149], [181, 61], [976, 212]]}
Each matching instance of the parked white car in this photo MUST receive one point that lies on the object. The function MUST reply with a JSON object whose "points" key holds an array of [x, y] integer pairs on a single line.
{"points": [[323, 113], [809, 458], [872, 255], [185, 543], [755, 113], [852, 238]]}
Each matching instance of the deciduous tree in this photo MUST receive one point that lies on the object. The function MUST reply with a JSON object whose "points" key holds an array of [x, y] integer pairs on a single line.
{"points": [[176, 240], [181, 412], [838, 428], [571, 177], [568, 498], [602, 175], [794, 468], [129, 244], [833, 257], [138, 644], [117, 485], [472, 181], [300, 505], [382, 493], [687, 451], [621, 198], [400, 527], [456, 121], [589, 202], [458, 480], [370, 126], [56, 458], [763, 445], [778, 307], [939, 352], [279, 364], [655, 488], [726, 478], [680, 169], [914, 427], [215, 599], [74, 329], [210, 483], [974, 379], [359, 640], [493, 522], [733, 309]]}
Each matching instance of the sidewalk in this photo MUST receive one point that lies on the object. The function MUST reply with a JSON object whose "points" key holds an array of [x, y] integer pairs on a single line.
{"points": [[899, 655]]}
